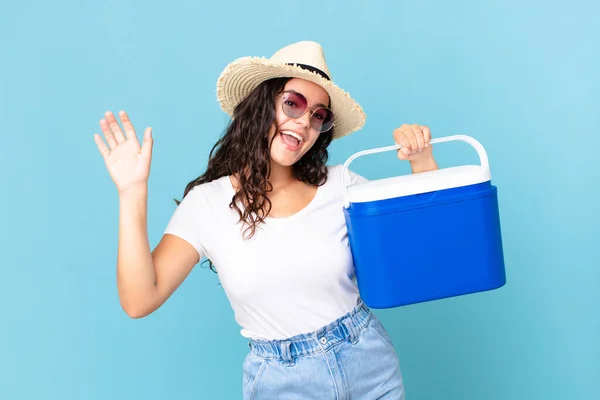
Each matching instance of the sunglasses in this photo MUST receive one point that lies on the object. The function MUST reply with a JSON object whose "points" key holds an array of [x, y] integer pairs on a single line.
{"points": [[295, 105]]}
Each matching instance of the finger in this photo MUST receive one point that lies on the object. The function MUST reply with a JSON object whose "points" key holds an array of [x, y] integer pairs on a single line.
{"points": [[400, 138], [426, 135], [418, 138], [127, 126], [104, 151], [108, 134], [410, 135], [114, 127], [147, 144]]}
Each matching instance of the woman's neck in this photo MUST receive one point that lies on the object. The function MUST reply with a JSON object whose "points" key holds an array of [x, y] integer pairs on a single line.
{"points": [[281, 176]]}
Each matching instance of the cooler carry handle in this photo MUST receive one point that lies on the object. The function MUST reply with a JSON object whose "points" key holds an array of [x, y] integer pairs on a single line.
{"points": [[483, 158]]}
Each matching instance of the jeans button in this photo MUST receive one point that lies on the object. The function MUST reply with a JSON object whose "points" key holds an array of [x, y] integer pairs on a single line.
{"points": [[323, 340]]}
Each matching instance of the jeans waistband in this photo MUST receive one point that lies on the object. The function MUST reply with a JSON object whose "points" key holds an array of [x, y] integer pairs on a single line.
{"points": [[345, 328]]}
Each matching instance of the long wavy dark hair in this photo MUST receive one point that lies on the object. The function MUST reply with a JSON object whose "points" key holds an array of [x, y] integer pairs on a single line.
{"points": [[244, 151]]}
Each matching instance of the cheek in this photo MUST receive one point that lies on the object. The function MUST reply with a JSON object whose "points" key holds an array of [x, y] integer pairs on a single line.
{"points": [[280, 117], [271, 132], [313, 136]]}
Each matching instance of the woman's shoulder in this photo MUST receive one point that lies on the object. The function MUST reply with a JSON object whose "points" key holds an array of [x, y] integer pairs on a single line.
{"points": [[214, 190], [335, 171]]}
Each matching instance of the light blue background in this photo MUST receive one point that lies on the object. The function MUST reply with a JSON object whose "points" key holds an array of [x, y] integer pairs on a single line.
{"points": [[523, 78]]}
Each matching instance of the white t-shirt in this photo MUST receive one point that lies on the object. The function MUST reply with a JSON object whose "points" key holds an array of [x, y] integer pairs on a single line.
{"points": [[295, 275]]}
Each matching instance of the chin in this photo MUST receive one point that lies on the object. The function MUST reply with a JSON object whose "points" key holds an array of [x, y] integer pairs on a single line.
{"points": [[283, 160], [284, 156]]}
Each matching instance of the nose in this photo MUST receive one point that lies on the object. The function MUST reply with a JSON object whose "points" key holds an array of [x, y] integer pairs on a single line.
{"points": [[304, 119]]}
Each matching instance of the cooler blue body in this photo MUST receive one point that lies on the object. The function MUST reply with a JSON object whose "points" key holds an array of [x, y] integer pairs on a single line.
{"points": [[427, 246]]}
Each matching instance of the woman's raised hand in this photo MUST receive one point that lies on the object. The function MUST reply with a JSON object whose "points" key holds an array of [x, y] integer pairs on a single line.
{"points": [[127, 162]]}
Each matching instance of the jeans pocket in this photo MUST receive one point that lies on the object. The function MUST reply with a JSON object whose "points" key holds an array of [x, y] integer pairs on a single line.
{"points": [[377, 328], [253, 367]]}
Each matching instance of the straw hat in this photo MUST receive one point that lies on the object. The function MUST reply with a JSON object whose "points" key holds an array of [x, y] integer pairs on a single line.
{"points": [[299, 60]]}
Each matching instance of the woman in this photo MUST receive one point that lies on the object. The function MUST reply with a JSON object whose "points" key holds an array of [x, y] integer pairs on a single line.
{"points": [[267, 213]]}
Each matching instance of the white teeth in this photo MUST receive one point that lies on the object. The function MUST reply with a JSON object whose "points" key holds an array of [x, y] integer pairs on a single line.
{"points": [[294, 134]]}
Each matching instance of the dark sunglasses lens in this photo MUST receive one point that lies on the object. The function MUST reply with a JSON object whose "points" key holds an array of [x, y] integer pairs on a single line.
{"points": [[294, 104], [322, 119]]}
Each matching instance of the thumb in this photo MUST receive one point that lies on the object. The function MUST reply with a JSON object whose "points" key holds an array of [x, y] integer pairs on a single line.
{"points": [[404, 153], [147, 143]]}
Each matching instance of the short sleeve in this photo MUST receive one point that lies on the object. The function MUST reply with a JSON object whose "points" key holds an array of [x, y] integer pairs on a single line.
{"points": [[356, 178], [350, 178], [188, 220]]}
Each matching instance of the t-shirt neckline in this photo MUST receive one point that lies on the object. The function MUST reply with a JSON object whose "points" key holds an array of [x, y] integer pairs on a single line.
{"points": [[304, 210]]}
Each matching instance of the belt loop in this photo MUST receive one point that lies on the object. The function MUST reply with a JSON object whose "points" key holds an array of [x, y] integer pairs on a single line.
{"points": [[351, 332], [286, 353]]}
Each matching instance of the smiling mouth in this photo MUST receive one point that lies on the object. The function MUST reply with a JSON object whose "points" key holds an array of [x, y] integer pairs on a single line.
{"points": [[291, 139]]}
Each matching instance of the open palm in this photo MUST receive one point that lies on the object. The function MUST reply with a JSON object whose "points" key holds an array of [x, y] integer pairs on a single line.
{"points": [[127, 161]]}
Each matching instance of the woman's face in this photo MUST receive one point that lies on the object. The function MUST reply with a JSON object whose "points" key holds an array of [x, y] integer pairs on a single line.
{"points": [[296, 136]]}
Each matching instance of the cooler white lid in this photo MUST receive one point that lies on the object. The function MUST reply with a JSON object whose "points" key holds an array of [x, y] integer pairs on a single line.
{"points": [[422, 182]]}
